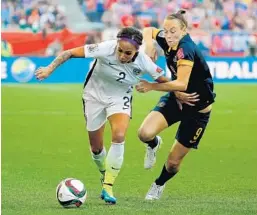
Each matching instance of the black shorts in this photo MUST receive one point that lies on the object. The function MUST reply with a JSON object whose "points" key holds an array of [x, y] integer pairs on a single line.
{"points": [[192, 124]]}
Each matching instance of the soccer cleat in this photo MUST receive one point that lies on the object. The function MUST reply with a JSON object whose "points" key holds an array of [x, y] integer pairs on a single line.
{"points": [[107, 195], [154, 192], [150, 155]]}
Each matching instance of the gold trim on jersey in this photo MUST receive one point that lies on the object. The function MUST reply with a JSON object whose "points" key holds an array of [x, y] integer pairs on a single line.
{"points": [[185, 62], [155, 32], [174, 48]]}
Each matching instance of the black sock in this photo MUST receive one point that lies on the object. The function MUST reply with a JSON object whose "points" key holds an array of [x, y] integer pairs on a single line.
{"points": [[97, 152], [165, 176], [152, 143]]}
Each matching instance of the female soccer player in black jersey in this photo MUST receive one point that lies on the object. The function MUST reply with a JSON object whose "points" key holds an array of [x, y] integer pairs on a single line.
{"points": [[190, 73]]}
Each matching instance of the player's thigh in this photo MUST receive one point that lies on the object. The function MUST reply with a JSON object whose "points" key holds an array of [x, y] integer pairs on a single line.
{"points": [[94, 113], [95, 118], [165, 113], [119, 117], [152, 125], [191, 129], [169, 108]]}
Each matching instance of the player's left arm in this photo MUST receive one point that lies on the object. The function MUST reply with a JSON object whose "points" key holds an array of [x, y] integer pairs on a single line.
{"points": [[184, 68]]}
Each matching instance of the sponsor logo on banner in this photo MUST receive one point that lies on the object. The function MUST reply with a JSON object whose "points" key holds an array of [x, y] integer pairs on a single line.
{"points": [[23, 69], [223, 70], [228, 70]]}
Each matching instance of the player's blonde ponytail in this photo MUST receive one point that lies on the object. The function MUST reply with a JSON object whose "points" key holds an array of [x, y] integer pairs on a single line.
{"points": [[180, 17]]}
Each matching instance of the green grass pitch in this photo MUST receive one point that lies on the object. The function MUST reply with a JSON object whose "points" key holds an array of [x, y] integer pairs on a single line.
{"points": [[44, 141]]}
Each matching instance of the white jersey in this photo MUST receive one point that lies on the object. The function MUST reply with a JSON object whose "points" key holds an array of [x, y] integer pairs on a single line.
{"points": [[109, 78]]}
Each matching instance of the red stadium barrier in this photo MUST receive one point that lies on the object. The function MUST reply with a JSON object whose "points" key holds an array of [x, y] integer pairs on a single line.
{"points": [[27, 43]]}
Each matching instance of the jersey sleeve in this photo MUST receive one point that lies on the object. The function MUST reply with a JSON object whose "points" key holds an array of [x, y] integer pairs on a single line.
{"points": [[155, 33], [151, 68], [185, 55], [158, 35], [97, 50]]}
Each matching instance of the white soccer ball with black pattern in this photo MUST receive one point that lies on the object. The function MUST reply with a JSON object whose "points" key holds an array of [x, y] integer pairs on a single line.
{"points": [[71, 192]]}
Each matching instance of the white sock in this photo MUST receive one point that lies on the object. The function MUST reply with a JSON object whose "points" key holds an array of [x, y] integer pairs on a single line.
{"points": [[99, 160], [114, 162]]}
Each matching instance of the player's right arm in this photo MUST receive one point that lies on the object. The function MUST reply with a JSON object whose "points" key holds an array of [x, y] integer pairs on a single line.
{"points": [[92, 50], [149, 34], [44, 72]]}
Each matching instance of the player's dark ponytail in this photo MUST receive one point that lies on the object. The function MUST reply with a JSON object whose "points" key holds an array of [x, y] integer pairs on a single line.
{"points": [[179, 16], [132, 35]]}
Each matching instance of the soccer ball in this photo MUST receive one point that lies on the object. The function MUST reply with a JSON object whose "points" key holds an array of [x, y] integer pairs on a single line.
{"points": [[71, 193]]}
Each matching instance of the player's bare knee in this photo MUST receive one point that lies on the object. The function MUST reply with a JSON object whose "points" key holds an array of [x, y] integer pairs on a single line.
{"points": [[172, 166], [145, 135], [118, 136]]}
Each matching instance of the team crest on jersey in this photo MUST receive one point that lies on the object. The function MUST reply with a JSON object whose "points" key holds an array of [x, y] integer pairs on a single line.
{"points": [[136, 71], [161, 104], [175, 59], [92, 48], [180, 54]]}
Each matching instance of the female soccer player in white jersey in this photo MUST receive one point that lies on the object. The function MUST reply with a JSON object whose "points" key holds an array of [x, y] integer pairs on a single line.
{"points": [[107, 95]]}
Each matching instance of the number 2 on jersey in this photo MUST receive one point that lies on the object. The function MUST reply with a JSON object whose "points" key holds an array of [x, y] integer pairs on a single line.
{"points": [[122, 77], [127, 102]]}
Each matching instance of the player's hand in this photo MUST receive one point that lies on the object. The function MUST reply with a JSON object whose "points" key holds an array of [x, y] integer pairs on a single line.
{"points": [[143, 86], [42, 73], [151, 51], [187, 98]]}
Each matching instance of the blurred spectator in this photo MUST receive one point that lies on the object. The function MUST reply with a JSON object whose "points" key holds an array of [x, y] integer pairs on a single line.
{"points": [[205, 17], [54, 48], [6, 15], [205, 14], [6, 49], [34, 15], [202, 14], [252, 46], [93, 37], [110, 32], [93, 9]]}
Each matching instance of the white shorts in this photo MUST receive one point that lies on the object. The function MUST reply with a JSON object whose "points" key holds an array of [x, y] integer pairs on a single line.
{"points": [[96, 113]]}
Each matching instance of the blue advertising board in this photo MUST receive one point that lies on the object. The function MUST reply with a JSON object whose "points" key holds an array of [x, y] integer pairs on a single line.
{"points": [[21, 69]]}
